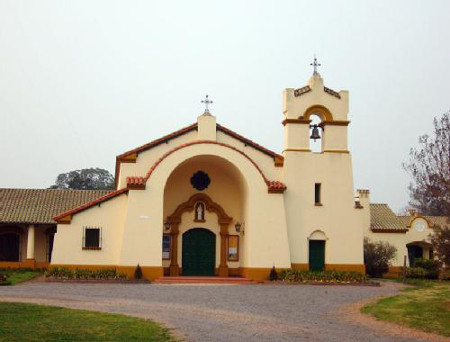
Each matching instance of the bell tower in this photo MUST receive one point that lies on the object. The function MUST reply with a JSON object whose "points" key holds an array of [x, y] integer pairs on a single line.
{"points": [[319, 197], [331, 107]]}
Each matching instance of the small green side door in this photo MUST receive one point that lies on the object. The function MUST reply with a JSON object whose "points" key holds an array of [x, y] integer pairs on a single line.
{"points": [[316, 255], [199, 252]]}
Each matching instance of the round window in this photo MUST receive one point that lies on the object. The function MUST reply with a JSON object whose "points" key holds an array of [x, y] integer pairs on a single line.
{"points": [[200, 180]]}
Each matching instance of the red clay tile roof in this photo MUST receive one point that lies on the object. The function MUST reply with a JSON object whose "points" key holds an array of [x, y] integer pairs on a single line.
{"points": [[91, 203], [38, 206], [382, 218]]}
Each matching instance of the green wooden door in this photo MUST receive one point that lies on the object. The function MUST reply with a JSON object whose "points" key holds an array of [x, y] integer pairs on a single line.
{"points": [[316, 255], [199, 252]]}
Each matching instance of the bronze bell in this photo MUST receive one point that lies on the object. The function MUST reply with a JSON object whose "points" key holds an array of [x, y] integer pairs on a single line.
{"points": [[315, 133]]}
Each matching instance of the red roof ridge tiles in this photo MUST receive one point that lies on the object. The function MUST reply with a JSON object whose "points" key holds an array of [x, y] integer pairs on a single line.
{"points": [[248, 141], [303, 90], [331, 92], [306, 89]]}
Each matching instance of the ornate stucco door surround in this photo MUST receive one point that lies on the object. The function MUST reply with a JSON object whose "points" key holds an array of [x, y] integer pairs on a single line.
{"points": [[175, 221]]}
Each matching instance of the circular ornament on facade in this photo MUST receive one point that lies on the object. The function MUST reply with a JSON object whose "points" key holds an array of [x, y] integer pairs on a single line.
{"points": [[200, 180], [419, 225]]}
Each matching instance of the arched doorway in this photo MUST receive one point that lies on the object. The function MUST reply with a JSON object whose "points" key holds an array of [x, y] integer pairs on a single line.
{"points": [[199, 252], [316, 255], [317, 250], [416, 251], [9, 247], [211, 205]]}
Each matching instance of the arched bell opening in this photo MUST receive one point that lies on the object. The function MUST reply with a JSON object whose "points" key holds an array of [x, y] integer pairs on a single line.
{"points": [[204, 192], [318, 116], [315, 134]]}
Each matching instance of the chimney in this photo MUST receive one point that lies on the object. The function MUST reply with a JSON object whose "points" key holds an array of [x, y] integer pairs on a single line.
{"points": [[412, 212], [362, 198]]}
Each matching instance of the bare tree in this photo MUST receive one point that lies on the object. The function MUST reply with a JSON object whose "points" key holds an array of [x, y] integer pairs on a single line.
{"points": [[429, 167]]}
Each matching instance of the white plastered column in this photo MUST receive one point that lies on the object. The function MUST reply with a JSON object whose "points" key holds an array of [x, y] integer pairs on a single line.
{"points": [[30, 242]]}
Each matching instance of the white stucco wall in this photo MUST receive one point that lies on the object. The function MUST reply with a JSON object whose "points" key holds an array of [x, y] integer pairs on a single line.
{"points": [[110, 216]]}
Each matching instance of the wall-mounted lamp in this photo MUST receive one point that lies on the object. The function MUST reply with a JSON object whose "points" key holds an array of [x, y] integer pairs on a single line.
{"points": [[239, 227], [167, 225]]}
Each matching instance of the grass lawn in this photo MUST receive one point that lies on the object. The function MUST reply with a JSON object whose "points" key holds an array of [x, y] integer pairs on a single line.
{"points": [[426, 307], [15, 276], [31, 322]]}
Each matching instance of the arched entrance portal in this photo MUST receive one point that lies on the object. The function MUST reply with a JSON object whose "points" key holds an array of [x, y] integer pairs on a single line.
{"points": [[204, 192], [199, 252], [175, 219]]}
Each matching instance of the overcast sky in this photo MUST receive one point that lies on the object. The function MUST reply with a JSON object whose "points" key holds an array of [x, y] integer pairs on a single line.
{"points": [[83, 81]]}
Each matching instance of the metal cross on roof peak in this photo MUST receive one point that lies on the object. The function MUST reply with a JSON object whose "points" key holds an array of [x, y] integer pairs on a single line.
{"points": [[207, 102], [315, 65]]}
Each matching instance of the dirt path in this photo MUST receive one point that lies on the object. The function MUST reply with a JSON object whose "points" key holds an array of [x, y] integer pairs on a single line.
{"points": [[229, 312]]}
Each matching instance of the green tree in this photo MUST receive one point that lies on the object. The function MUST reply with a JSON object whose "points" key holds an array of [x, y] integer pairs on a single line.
{"points": [[378, 256], [85, 179]]}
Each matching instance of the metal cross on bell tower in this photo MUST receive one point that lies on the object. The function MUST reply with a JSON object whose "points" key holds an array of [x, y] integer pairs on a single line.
{"points": [[207, 102], [315, 65]]}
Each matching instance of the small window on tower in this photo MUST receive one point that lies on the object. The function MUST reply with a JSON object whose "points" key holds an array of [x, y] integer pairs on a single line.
{"points": [[317, 194]]}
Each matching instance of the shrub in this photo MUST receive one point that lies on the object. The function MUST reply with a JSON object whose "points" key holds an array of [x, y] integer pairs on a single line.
{"points": [[416, 272], [64, 273], [430, 266], [377, 257], [4, 280], [273, 274], [304, 276], [138, 272]]}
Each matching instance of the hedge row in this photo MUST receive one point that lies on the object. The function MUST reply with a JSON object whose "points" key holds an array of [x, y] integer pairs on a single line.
{"points": [[323, 276], [64, 273]]}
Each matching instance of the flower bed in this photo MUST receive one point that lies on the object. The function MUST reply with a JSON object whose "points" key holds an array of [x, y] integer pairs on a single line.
{"points": [[328, 277], [61, 273]]}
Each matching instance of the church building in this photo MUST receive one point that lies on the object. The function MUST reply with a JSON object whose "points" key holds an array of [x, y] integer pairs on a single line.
{"points": [[206, 201]]}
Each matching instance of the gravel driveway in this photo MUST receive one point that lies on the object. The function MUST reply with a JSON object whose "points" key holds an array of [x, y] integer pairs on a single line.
{"points": [[227, 312]]}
